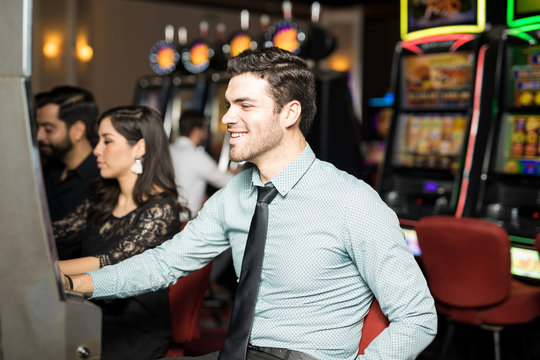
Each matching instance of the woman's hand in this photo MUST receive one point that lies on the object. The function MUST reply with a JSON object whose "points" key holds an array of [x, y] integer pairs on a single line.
{"points": [[81, 283]]}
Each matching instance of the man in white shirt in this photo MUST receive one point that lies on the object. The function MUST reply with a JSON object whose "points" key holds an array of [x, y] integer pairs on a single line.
{"points": [[194, 168]]}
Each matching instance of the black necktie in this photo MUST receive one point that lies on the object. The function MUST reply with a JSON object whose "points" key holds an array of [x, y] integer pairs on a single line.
{"points": [[235, 346]]}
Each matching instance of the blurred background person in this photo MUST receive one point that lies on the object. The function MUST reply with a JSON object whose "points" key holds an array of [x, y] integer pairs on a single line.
{"points": [[194, 168], [65, 134], [133, 208]]}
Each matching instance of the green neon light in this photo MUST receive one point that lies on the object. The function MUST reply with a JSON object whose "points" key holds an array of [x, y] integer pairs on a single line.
{"points": [[452, 29], [518, 22], [521, 240], [522, 33]]}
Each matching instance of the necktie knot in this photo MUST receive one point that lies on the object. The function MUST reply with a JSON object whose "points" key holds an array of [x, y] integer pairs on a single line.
{"points": [[266, 194]]}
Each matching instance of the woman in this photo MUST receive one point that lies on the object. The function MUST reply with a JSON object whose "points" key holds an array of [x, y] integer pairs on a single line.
{"points": [[133, 208]]}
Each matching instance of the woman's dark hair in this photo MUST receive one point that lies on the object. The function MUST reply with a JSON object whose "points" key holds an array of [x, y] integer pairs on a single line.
{"points": [[157, 180], [288, 76]]}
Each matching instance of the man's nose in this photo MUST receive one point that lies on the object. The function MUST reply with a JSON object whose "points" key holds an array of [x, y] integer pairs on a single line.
{"points": [[228, 117], [40, 134]]}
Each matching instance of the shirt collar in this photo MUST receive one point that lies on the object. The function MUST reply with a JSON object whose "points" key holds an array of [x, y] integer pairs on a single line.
{"points": [[288, 177]]}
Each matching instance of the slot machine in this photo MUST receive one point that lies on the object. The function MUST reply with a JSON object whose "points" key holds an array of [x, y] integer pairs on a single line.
{"points": [[441, 112], [510, 191], [178, 82], [38, 319], [334, 135]]}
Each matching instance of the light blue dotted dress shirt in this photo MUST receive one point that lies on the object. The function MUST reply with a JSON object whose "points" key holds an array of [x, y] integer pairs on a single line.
{"points": [[332, 245]]}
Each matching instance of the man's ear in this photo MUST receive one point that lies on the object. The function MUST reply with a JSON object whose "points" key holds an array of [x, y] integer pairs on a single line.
{"points": [[140, 148], [77, 131], [291, 113]]}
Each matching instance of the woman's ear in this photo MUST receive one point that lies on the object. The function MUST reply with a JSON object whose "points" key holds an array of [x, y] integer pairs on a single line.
{"points": [[291, 113], [140, 148]]}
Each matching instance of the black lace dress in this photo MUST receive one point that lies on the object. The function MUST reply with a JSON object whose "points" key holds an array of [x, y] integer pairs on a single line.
{"points": [[136, 327]]}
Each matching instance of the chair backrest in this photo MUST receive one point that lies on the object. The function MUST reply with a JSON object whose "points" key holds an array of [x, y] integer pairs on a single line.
{"points": [[185, 301], [374, 323], [466, 260], [537, 242]]}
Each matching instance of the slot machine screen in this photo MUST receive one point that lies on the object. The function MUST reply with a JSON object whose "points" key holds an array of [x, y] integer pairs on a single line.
{"points": [[217, 129], [523, 89], [525, 262], [519, 149], [187, 94], [430, 141], [438, 13], [442, 80], [152, 96], [521, 12], [412, 241]]}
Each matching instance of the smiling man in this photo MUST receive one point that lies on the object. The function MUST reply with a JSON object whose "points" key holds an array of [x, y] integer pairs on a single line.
{"points": [[331, 242]]}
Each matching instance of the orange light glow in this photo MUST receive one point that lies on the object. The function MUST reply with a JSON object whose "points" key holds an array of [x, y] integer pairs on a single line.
{"points": [[85, 53], [339, 62], [52, 46]]}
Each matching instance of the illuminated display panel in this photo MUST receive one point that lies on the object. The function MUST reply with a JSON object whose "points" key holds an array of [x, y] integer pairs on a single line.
{"points": [[152, 96], [412, 241], [519, 150], [217, 129], [442, 80], [523, 77], [525, 262], [420, 18], [522, 12], [430, 141]]}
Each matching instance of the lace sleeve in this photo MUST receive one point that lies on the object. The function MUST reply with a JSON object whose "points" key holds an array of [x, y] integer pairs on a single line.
{"points": [[71, 225], [156, 224]]}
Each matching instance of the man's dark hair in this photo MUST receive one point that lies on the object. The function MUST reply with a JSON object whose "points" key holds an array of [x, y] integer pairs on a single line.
{"points": [[74, 104], [288, 76], [190, 120]]}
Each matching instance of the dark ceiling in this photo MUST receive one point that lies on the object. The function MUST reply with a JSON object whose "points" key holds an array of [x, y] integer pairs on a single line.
{"points": [[300, 8]]}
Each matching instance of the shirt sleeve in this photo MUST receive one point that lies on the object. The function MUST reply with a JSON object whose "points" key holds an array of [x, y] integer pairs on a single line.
{"points": [[201, 240], [378, 247]]}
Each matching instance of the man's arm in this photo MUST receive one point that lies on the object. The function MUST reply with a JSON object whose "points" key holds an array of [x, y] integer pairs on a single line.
{"points": [[393, 275]]}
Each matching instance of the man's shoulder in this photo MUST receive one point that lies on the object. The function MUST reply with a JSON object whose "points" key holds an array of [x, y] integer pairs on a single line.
{"points": [[88, 168], [329, 173]]}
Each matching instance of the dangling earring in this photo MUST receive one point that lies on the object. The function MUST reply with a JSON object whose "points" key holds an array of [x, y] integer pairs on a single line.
{"points": [[137, 166]]}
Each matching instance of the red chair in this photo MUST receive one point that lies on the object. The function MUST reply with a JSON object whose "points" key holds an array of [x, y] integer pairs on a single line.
{"points": [[374, 323], [185, 301], [467, 265]]}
